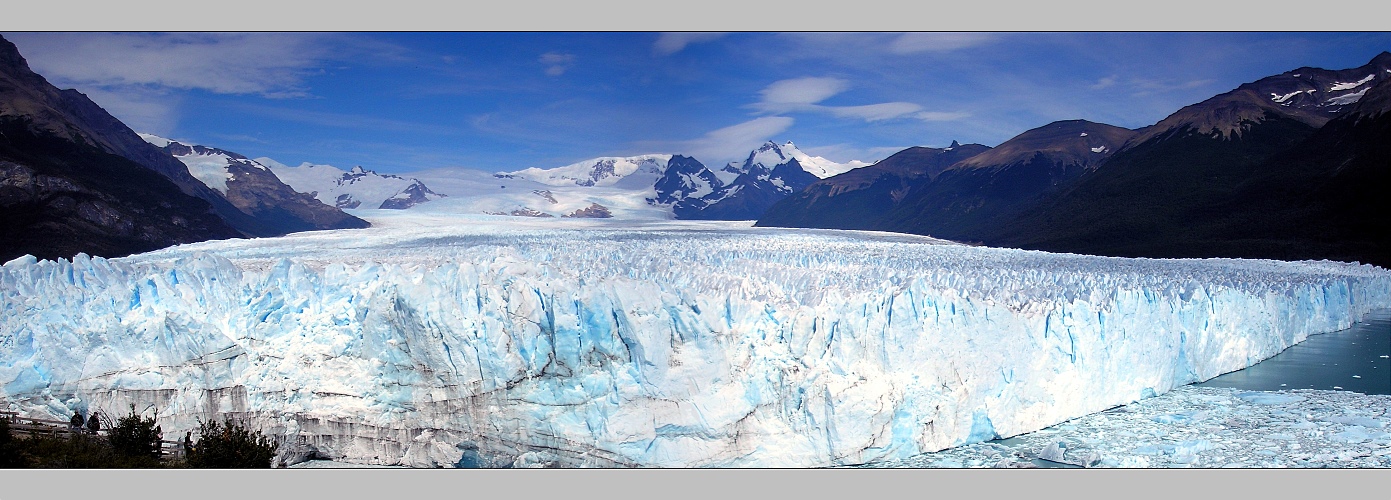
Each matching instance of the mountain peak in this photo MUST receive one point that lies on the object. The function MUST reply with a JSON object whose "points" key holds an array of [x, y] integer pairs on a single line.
{"points": [[1065, 142]]}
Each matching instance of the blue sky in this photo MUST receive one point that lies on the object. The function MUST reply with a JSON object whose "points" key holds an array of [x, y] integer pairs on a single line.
{"points": [[398, 102]]}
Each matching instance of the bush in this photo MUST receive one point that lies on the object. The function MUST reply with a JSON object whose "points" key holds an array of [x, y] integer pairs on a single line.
{"points": [[230, 445], [9, 453], [134, 436]]}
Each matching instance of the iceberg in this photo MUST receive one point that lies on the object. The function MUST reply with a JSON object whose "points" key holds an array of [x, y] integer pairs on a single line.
{"points": [[437, 339]]}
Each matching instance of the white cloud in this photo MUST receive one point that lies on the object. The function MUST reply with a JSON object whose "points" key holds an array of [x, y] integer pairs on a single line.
{"points": [[874, 112], [1104, 83], [729, 143], [847, 152], [557, 62], [1145, 87], [785, 94], [940, 116], [912, 43], [671, 43], [805, 95], [269, 64], [141, 77], [142, 109]]}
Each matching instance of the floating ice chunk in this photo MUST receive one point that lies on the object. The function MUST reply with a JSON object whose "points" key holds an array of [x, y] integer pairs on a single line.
{"points": [[1352, 435], [1368, 422], [1183, 418], [1053, 452], [1268, 398]]}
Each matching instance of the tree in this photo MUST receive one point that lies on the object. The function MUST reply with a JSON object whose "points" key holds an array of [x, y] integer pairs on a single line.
{"points": [[9, 453], [230, 445], [135, 436]]}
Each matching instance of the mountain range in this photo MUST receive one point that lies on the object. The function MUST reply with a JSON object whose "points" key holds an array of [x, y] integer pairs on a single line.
{"points": [[1288, 167], [74, 179]]}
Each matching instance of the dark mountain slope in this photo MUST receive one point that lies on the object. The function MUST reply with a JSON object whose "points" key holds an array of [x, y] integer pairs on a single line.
{"points": [[59, 198], [64, 189], [1323, 199], [1147, 200], [70, 115], [1188, 185], [858, 199], [989, 189]]}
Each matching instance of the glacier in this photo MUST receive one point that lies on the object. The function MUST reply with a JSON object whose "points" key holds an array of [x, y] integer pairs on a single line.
{"points": [[436, 339]]}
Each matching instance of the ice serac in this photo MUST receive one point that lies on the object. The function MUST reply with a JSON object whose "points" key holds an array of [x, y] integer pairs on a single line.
{"points": [[493, 341]]}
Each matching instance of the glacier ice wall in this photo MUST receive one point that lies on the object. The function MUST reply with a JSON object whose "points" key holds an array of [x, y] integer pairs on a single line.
{"points": [[447, 342]]}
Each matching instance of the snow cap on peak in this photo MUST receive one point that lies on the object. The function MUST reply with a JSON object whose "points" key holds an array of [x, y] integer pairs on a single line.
{"points": [[157, 141], [359, 170]]}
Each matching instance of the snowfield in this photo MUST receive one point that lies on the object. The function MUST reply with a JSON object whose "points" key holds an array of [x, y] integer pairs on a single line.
{"points": [[436, 339]]}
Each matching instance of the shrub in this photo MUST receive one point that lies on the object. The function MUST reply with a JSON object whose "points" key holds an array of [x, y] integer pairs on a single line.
{"points": [[134, 436], [9, 453], [230, 445]]}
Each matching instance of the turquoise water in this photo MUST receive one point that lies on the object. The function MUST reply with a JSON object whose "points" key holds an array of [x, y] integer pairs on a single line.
{"points": [[1357, 359]]}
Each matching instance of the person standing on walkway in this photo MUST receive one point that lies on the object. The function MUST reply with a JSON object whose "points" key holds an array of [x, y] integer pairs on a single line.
{"points": [[93, 425]]}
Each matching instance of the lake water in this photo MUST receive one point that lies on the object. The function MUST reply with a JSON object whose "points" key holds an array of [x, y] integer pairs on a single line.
{"points": [[1357, 359]]}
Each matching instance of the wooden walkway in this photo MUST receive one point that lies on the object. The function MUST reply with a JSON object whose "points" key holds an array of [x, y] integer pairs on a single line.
{"points": [[23, 427]]}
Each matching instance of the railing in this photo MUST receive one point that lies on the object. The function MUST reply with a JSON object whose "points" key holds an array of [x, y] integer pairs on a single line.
{"points": [[168, 450], [42, 426]]}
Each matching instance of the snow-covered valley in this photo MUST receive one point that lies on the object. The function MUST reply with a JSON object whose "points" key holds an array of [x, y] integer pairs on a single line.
{"points": [[439, 339]]}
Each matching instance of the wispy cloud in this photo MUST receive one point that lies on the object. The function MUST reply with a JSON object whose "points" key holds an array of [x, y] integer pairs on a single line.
{"points": [[557, 62], [139, 77], [846, 152], [941, 116], [806, 94], [1103, 83], [268, 64], [784, 95], [873, 112], [671, 43], [912, 43], [149, 110], [727, 143], [1146, 87]]}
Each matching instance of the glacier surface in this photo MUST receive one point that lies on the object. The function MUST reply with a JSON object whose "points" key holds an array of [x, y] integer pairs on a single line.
{"points": [[437, 339]]}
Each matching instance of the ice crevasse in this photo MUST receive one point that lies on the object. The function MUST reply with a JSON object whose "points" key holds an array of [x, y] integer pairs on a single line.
{"points": [[659, 346]]}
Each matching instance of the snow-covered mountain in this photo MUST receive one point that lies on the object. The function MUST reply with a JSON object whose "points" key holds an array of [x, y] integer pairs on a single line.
{"points": [[635, 171], [650, 186], [254, 189], [356, 188], [435, 340], [772, 154], [1307, 95]]}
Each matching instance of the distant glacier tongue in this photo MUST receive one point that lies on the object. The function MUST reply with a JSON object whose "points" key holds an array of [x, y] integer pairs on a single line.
{"points": [[472, 341]]}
